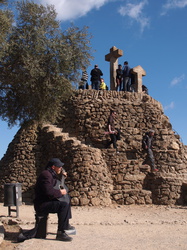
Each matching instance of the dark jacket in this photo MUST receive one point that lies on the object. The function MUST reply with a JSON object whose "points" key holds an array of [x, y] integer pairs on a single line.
{"points": [[119, 73], [96, 74], [44, 189], [147, 141], [126, 71]]}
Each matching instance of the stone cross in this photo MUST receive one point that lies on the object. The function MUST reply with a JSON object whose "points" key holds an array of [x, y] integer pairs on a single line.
{"points": [[112, 57], [138, 71]]}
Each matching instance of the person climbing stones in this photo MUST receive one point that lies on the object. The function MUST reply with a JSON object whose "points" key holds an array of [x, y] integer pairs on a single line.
{"points": [[147, 145], [112, 131]]}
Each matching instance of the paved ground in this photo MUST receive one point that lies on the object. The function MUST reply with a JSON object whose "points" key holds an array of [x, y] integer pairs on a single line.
{"points": [[116, 228]]}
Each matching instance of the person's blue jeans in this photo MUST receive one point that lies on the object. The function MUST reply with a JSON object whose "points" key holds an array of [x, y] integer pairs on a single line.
{"points": [[151, 158], [95, 84], [126, 83]]}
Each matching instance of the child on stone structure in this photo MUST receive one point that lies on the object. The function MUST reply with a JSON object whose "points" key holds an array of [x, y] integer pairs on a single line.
{"points": [[84, 78], [81, 85], [102, 85]]}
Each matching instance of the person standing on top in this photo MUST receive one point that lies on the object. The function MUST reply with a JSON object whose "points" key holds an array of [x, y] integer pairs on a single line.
{"points": [[96, 74], [84, 77], [126, 77], [119, 77]]}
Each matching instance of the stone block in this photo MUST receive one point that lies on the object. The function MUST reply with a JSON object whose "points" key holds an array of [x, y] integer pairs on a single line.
{"points": [[96, 201], [75, 201], [84, 201], [129, 201]]}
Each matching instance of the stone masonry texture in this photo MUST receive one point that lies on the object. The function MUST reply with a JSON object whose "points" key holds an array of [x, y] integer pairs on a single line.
{"points": [[98, 176]]}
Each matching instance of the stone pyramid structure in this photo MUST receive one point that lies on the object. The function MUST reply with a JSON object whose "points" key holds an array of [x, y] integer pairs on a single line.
{"points": [[96, 175]]}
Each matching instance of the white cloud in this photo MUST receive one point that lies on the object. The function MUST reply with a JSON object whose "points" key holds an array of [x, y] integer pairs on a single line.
{"points": [[72, 9], [177, 80], [173, 4], [135, 12], [169, 106]]}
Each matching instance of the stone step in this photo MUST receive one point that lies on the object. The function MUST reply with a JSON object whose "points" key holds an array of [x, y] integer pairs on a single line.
{"points": [[145, 168], [57, 132], [52, 128], [128, 167]]}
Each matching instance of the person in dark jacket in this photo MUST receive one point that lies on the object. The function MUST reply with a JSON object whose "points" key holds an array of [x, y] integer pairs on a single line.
{"points": [[126, 76], [147, 145], [49, 198], [145, 89], [96, 74], [119, 77]]}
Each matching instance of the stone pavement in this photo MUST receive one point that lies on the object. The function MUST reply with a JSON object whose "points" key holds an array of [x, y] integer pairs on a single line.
{"points": [[116, 228]]}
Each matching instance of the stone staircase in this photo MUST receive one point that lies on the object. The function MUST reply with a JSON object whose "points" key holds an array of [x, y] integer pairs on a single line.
{"points": [[128, 181], [130, 188], [89, 180], [127, 176], [60, 135]]}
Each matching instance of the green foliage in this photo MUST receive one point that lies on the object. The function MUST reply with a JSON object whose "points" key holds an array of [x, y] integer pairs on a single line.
{"points": [[5, 24], [3, 1], [39, 65]]}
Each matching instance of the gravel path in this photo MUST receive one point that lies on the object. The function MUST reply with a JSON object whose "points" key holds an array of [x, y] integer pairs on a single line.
{"points": [[116, 228]]}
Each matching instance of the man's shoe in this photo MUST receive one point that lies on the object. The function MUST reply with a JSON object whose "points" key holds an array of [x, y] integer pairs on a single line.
{"points": [[63, 237], [71, 230], [154, 170], [70, 227]]}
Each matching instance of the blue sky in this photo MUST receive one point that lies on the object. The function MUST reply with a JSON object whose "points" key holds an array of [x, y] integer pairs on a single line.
{"points": [[151, 33]]}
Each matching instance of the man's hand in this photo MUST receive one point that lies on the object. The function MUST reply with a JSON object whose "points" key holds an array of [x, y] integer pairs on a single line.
{"points": [[65, 174], [63, 191], [112, 132]]}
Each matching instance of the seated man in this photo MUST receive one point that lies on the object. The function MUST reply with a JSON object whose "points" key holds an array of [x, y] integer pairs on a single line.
{"points": [[48, 199]]}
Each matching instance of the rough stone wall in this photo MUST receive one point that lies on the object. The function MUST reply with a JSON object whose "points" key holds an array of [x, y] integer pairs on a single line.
{"points": [[19, 162], [88, 179], [99, 176]]}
